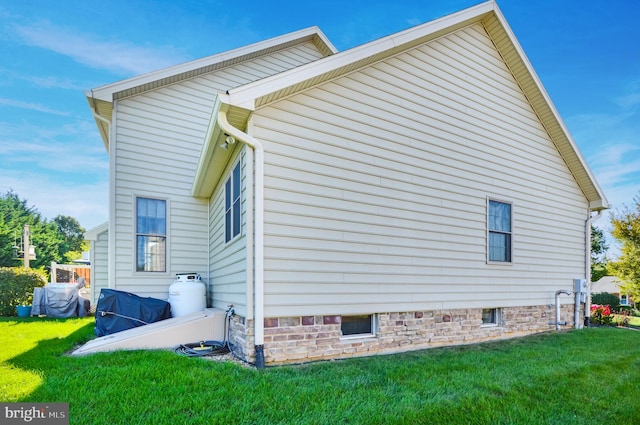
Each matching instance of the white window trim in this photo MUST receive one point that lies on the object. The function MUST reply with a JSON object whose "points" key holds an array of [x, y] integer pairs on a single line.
{"points": [[511, 255], [498, 318], [237, 163], [374, 327], [134, 228]]}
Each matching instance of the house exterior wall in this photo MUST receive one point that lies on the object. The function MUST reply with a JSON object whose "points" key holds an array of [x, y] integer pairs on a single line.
{"points": [[229, 274], [157, 142], [377, 183], [99, 266]]}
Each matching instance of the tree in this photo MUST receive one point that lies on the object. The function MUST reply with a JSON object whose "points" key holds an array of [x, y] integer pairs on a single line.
{"points": [[73, 237], [626, 229], [14, 215], [59, 240], [599, 249]]}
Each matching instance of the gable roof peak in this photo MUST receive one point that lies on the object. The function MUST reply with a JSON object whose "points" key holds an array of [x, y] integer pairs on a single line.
{"points": [[204, 65]]}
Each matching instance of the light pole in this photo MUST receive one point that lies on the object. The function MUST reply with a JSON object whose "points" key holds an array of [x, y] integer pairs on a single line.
{"points": [[26, 247]]}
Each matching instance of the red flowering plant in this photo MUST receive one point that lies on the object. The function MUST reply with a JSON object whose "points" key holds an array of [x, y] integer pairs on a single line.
{"points": [[601, 314]]}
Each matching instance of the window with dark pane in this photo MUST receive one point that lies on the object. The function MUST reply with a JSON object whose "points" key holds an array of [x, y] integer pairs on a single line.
{"points": [[500, 235], [232, 207], [357, 325], [490, 316], [151, 235]]}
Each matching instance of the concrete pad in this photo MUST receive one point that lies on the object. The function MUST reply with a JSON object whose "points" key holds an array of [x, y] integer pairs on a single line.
{"points": [[205, 325]]}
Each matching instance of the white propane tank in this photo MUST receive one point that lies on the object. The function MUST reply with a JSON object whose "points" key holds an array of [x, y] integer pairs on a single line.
{"points": [[187, 294]]}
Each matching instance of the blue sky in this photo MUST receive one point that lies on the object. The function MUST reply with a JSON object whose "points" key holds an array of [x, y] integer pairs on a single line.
{"points": [[586, 53]]}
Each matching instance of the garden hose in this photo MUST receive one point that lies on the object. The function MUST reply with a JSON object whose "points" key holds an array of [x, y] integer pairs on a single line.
{"points": [[209, 348], [203, 348]]}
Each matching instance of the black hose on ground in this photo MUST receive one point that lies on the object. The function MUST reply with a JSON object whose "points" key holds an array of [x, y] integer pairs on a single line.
{"points": [[212, 348], [203, 349]]}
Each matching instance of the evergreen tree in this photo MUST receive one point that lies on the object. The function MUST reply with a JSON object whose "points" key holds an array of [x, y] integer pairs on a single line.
{"points": [[59, 240]]}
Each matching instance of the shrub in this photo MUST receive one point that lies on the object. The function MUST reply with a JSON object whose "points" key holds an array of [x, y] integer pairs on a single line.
{"points": [[625, 309], [16, 287], [601, 314], [622, 319], [606, 298]]}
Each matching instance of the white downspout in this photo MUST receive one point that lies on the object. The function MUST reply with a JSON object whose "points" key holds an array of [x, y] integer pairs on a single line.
{"points": [[111, 237], [256, 145], [587, 271], [103, 119]]}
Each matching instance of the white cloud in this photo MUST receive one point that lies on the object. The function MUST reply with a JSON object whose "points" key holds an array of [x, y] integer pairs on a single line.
{"points": [[60, 170], [630, 100], [617, 169], [88, 203], [31, 106], [52, 82], [71, 146], [87, 49]]}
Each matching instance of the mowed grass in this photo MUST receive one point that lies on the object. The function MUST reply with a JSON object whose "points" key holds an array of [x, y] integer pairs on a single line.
{"points": [[580, 377]]}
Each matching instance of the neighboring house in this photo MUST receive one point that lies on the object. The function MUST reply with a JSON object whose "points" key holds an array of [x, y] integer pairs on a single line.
{"points": [[611, 285], [415, 191]]}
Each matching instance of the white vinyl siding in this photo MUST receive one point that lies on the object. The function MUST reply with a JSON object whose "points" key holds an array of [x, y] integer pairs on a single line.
{"points": [[99, 266], [228, 261], [157, 142], [376, 186]]}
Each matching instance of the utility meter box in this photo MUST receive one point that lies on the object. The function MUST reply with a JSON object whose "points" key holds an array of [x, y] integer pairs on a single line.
{"points": [[581, 287]]}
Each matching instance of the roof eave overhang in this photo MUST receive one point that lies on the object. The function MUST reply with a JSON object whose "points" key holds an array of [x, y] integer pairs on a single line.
{"points": [[524, 73], [102, 112], [92, 234], [173, 74], [263, 92], [101, 98], [213, 157], [258, 93]]}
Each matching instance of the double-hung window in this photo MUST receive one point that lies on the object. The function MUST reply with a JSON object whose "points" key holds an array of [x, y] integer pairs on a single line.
{"points": [[499, 228], [151, 235], [232, 215]]}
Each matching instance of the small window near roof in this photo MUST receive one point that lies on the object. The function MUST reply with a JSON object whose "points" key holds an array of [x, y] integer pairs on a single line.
{"points": [[362, 325], [490, 316]]}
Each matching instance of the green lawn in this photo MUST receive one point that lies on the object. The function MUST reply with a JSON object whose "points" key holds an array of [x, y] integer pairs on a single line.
{"points": [[582, 377]]}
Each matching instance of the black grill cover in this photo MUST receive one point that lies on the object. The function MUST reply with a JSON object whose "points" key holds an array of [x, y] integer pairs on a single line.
{"points": [[118, 311]]}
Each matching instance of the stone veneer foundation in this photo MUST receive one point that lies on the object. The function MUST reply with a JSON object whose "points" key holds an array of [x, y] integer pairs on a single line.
{"points": [[311, 338]]}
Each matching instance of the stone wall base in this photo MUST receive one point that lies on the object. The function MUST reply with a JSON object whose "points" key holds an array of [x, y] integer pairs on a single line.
{"points": [[311, 338]]}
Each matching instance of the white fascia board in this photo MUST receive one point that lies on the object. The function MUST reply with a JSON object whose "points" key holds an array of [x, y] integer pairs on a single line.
{"points": [[106, 92], [246, 95]]}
